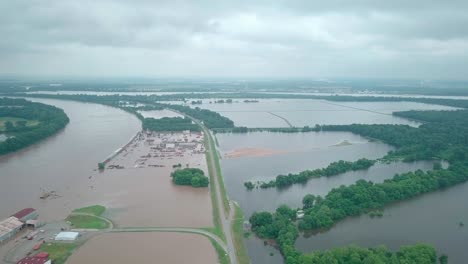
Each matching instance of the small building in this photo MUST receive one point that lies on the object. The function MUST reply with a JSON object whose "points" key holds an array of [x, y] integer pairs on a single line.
{"points": [[300, 214], [170, 145], [67, 236], [26, 214], [40, 258], [247, 226], [9, 227], [33, 223]]}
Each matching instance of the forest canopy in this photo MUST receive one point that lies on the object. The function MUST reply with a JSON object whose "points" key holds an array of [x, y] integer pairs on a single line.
{"points": [[27, 123]]}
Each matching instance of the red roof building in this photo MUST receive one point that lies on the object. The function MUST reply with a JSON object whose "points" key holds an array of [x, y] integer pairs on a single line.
{"points": [[26, 214], [34, 260]]}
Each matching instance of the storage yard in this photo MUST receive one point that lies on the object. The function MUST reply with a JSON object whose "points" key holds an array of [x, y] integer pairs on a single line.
{"points": [[154, 149]]}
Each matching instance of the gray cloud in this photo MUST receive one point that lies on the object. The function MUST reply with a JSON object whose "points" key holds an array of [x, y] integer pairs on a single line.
{"points": [[370, 38]]}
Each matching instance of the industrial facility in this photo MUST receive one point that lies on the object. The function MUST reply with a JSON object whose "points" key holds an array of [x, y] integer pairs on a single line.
{"points": [[13, 224]]}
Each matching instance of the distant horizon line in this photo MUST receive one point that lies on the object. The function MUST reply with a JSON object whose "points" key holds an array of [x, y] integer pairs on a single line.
{"points": [[19, 77]]}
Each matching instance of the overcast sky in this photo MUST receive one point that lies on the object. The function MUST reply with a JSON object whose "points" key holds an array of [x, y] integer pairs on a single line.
{"points": [[398, 38]]}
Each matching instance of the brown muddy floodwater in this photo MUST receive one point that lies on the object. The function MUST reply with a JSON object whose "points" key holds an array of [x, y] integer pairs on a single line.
{"points": [[63, 162], [66, 163], [164, 248], [139, 189]]}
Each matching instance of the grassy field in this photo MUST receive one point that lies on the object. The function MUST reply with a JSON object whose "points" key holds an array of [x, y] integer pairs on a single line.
{"points": [[87, 221], [5, 119], [97, 210], [214, 155], [59, 252], [88, 217], [238, 232]]}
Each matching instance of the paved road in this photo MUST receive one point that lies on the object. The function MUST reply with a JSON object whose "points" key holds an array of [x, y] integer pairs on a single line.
{"points": [[172, 229], [225, 218]]}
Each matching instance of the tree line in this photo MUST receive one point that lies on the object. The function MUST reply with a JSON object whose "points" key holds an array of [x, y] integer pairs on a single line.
{"points": [[334, 168], [210, 118], [169, 124], [50, 120]]}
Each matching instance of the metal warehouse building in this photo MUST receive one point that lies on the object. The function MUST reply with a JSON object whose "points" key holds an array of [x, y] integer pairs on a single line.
{"points": [[26, 214], [9, 227]]}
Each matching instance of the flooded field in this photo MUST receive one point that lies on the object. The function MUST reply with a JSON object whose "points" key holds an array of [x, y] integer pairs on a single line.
{"points": [[432, 218], [307, 112], [288, 153], [169, 248], [136, 184], [294, 153]]}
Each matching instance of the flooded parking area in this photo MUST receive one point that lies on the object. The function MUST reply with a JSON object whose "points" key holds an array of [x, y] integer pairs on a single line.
{"points": [[137, 187], [140, 247]]}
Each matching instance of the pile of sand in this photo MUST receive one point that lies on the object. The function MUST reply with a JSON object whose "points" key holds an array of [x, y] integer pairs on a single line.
{"points": [[253, 152]]}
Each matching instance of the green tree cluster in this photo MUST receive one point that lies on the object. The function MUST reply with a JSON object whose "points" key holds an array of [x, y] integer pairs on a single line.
{"points": [[335, 168], [190, 176], [210, 119]]}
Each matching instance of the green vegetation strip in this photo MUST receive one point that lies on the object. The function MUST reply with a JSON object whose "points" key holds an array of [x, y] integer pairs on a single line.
{"points": [[59, 252], [335, 168], [97, 210], [89, 218], [170, 124], [214, 201], [220, 175], [238, 236], [87, 221], [223, 257]]}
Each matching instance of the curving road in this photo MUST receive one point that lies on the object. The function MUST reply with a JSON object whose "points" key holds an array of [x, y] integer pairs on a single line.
{"points": [[172, 229]]}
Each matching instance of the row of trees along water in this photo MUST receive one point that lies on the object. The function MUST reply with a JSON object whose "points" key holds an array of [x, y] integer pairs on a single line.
{"points": [[444, 136], [335, 168], [45, 120], [134, 104], [170, 124]]}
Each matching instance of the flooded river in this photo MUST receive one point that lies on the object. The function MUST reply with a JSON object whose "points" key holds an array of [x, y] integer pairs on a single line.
{"points": [[63, 162], [66, 163]]}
